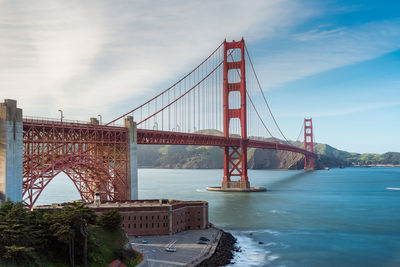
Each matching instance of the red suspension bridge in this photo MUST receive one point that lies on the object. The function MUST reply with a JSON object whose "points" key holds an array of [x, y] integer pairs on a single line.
{"points": [[219, 103]]}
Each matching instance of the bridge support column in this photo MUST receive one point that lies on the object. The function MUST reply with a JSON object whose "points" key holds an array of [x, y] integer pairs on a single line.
{"points": [[308, 163], [11, 151], [235, 164], [308, 144], [132, 158]]}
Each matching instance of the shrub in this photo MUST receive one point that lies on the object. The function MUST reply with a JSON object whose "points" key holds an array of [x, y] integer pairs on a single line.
{"points": [[110, 219]]}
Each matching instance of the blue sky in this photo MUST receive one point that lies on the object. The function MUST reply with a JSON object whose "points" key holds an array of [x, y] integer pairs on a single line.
{"points": [[335, 61], [351, 84]]}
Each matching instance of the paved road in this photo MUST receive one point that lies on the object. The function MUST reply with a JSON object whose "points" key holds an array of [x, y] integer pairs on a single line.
{"points": [[187, 250]]}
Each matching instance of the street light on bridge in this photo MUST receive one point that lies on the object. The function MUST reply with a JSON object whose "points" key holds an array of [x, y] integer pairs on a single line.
{"points": [[101, 118], [61, 114]]}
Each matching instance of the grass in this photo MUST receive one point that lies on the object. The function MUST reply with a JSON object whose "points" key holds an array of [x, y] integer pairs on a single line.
{"points": [[107, 242]]}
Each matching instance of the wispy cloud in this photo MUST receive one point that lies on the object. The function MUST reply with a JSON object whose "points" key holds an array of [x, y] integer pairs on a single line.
{"points": [[346, 110], [321, 32], [327, 47], [87, 57]]}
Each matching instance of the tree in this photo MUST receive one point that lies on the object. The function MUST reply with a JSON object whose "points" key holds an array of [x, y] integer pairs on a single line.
{"points": [[15, 234], [110, 219], [59, 236], [17, 255], [85, 235], [66, 227]]}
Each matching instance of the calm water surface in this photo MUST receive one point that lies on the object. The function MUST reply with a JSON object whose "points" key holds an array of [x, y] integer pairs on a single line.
{"points": [[340, 217]]}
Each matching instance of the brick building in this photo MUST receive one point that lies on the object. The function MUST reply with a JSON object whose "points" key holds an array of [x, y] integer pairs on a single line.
{"points": [[158, 217]]}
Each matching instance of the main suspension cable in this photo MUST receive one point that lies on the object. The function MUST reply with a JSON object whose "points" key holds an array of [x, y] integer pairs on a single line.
{"points": [[301, 130], [251, 101], [175, 100], [168, 87], [265, 99]]}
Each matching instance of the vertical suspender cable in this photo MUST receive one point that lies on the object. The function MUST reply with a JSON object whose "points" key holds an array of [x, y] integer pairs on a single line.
{"points": [[169, 113], [265, 99], [194, 104], [188, 111], [198, 102]]}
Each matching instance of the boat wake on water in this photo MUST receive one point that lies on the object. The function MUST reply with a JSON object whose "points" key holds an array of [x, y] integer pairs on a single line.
{"points": [[393, 188]]}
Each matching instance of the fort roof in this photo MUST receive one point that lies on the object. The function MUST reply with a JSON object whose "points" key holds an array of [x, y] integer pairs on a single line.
{"points": [[129, 203]]}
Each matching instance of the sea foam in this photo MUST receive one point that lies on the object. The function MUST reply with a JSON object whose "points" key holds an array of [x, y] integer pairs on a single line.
{"points": [[251, 253]]}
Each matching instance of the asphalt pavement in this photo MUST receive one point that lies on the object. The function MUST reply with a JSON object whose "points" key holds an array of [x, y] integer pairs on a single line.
{"points": [[187, 250]]}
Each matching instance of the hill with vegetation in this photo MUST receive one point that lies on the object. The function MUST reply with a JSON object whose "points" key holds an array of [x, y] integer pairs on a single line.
{"points": [[61, 237], [203, 157]]}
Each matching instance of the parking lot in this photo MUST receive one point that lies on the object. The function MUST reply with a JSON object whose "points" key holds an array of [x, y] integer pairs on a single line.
{"points": [[187, 249]]}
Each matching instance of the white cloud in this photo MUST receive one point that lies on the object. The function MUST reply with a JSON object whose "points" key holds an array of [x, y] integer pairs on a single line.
{"points": [[87, 57], [325, 48]]}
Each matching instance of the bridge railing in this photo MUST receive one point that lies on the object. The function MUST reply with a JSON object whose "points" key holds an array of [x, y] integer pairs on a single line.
{"points": [[52, 120], [63, 121]]}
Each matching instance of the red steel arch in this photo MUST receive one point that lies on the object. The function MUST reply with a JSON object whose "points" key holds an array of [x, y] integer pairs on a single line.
{"points": [[94, 157]]}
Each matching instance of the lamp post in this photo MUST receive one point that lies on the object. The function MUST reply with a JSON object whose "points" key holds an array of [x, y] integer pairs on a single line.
{"points": [[61, 114], [101, 118]]}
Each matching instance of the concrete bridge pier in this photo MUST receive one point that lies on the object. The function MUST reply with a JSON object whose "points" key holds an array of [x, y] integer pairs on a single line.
{"points": [[11, 151], [132, 158]]}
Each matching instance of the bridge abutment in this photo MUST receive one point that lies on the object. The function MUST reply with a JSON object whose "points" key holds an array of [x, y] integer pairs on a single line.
{"points": [[11, 151], [132, 158]]}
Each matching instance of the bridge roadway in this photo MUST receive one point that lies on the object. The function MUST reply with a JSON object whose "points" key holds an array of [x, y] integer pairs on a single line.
{"points": [[156, 137], [176, 138]]}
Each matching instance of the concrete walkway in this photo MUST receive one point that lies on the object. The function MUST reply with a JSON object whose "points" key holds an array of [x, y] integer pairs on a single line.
{"points": [[188, 252]]}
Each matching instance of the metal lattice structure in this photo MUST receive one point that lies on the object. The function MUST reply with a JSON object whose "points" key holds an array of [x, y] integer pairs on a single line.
{"points": [[94, 157]]}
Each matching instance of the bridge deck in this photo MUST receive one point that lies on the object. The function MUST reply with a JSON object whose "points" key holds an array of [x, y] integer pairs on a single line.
{"points": [[176, 138], [155, 137]]}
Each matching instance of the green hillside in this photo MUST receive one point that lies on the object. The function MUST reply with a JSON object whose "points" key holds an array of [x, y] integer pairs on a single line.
{"points": [[393, 157], [203, 157]]}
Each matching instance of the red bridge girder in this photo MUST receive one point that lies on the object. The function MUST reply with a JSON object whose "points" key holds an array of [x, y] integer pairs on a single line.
{"points": [[94, 157], [175, 138]]}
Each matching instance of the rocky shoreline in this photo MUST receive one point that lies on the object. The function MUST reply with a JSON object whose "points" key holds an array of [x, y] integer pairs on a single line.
{"points": [[223, 254]]}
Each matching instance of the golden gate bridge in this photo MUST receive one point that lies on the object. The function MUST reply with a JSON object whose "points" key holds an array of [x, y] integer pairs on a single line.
{"points": [[219, 103]]}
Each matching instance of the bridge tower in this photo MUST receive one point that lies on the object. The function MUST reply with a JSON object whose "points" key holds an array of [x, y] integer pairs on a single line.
{"points": [[235, 158], [308, 144]]}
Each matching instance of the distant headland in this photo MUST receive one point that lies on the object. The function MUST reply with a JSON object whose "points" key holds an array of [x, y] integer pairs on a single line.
{"points": [[203, 157]]}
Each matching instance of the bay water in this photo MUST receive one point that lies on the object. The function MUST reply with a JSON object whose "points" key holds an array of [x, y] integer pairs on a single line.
{"points": [[340, 217]]}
